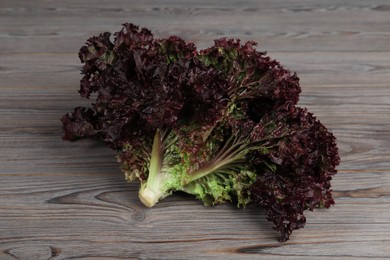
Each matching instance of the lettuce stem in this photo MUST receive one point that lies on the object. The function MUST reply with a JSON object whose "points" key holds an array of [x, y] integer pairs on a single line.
{"points": [[150, 191]]}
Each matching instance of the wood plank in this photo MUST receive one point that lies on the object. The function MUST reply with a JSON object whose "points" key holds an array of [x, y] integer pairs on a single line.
{"points": [[61, 200], [359, 26]]}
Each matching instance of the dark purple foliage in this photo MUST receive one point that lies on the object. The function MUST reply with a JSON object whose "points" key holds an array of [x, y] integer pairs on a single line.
{"points": [[303, 155], [82, 122]]}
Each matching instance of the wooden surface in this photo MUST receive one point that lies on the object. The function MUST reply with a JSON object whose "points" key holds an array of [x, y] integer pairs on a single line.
{"points": [[61, 200]]}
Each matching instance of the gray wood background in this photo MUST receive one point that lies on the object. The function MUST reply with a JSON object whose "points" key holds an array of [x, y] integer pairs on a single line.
{"points": [[61, 200]]}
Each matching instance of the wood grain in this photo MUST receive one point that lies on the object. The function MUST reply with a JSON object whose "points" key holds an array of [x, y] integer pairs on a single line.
{"points": [[61, 200]]}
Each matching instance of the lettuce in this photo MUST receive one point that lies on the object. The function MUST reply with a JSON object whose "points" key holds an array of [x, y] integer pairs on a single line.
{"points": [[220, 123]]}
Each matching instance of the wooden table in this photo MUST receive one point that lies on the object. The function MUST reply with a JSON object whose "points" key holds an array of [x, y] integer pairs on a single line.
{"points": [[61, 200]]}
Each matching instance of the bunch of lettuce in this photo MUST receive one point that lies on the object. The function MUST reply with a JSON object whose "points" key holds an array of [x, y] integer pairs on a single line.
{"points": [[220, 123]]}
